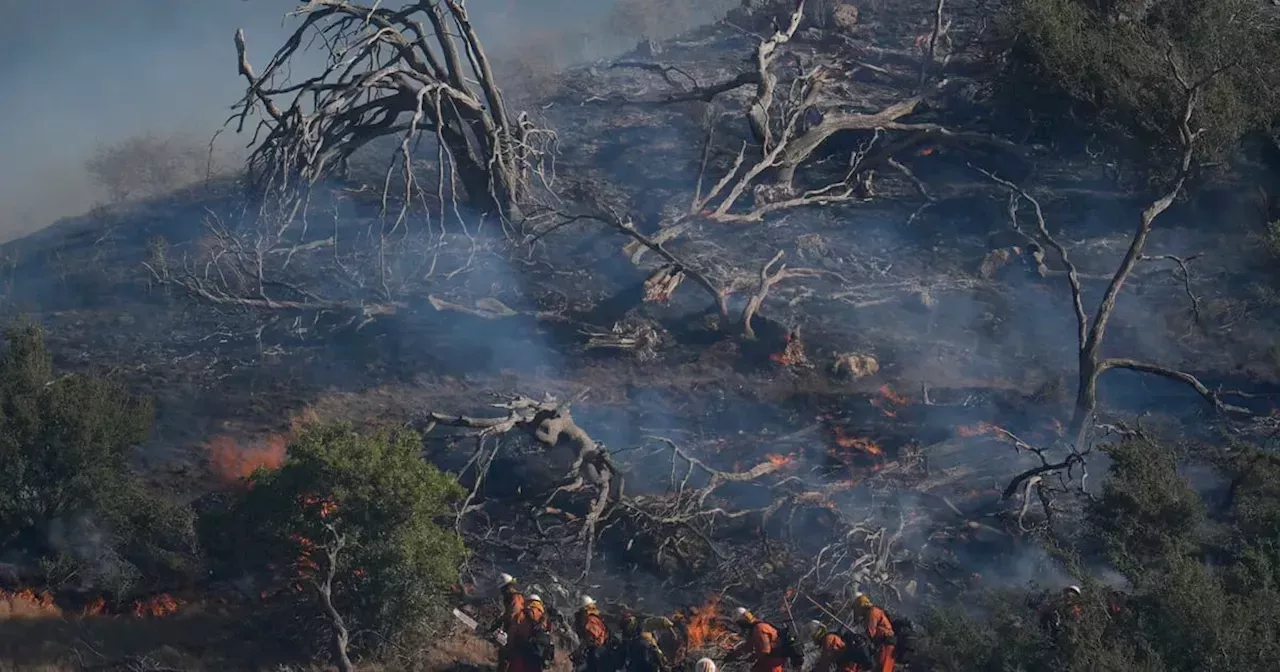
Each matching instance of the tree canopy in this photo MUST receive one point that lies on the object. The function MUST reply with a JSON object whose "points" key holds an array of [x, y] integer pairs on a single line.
{"points": [[1199, 588], [372, 495], [1110, 69], [67, 493]]}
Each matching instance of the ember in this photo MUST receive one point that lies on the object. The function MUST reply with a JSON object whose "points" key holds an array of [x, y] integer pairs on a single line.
{"points": [[980, 429], [780, 460], [232, 463], [793, 353]]}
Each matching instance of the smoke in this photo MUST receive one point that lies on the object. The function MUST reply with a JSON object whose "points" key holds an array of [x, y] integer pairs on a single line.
{"points": [[86, 553], [79, 77]]}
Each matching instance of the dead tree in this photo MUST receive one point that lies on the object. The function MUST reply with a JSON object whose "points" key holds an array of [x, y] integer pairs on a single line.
{"points": [[1091, 333], [390, 72], [548, 421], [302, 247], [777, 115], [323, 583]]}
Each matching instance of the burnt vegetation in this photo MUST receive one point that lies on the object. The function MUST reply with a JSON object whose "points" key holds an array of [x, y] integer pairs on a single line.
{"points": [[948, 302]]}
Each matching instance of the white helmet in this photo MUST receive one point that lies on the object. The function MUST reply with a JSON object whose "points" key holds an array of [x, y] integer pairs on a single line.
{"points": [[535, 598], [1073, 589], [587, 601], [705, 665], [505, 579]]}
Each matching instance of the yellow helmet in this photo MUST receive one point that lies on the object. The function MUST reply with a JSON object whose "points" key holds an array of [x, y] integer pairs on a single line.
{"points": [[862, 601]]}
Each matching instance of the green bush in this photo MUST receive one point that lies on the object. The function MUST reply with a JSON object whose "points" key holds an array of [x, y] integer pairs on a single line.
{"points": [[67, 494], [1202, 588], [397, 564], [1101, 66]]}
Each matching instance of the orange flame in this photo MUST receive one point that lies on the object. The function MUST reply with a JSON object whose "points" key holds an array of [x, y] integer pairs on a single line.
{"points": [[888, 400], [854, 443], [97, 607], [706, 628], [927, 151], [780, 460], [156, 607], [232, 463], [27, 604]]}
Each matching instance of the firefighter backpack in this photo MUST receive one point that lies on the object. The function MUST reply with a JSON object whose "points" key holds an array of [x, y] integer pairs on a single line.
{"points": [[790, 648], [542, 647], [857, 649], [904, 634]]}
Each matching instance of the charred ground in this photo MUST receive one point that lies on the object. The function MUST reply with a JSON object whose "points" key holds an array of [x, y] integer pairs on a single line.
{"points": [[888, 478]]}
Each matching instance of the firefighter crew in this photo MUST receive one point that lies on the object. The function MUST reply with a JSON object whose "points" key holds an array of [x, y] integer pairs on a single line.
{"points": [[833, 655], [761, 643], [509, 621], [879, 631], [522, 656], [594, 635]]}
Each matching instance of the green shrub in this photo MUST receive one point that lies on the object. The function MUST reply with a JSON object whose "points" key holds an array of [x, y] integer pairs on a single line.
{"points": [[1101, 66], [1202, 588], [67, 494], [397, 564]]}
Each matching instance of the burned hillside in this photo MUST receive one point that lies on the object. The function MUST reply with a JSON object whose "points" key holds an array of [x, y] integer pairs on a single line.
{"points": [[770, 313]]}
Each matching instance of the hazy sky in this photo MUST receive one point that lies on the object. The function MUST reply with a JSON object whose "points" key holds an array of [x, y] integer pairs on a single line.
{"points": [[75, 74]]}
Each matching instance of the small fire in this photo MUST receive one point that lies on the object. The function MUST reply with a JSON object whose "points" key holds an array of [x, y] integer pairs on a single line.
{"points": [[889, 401], [854, 443], [306, 566], [156, 607], [927, 151], [780, 460], [233, 463], [707, 629], [793, 353], [27, 603], [97, 607]]}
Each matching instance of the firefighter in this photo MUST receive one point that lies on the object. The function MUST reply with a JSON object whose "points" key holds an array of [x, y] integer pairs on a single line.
{"points": [[834, 654], [705, 665], [1055, 613], [640, 650], [760, 645], [879, 633], [594, 635], [532, 648], [512, 613], [680, 632]]}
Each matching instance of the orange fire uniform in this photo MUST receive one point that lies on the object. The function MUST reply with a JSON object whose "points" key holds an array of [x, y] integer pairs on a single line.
{"points": [[761, 645], [533, 615], [509, 621], [878, 629], [591, 627], [831, 650]]}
